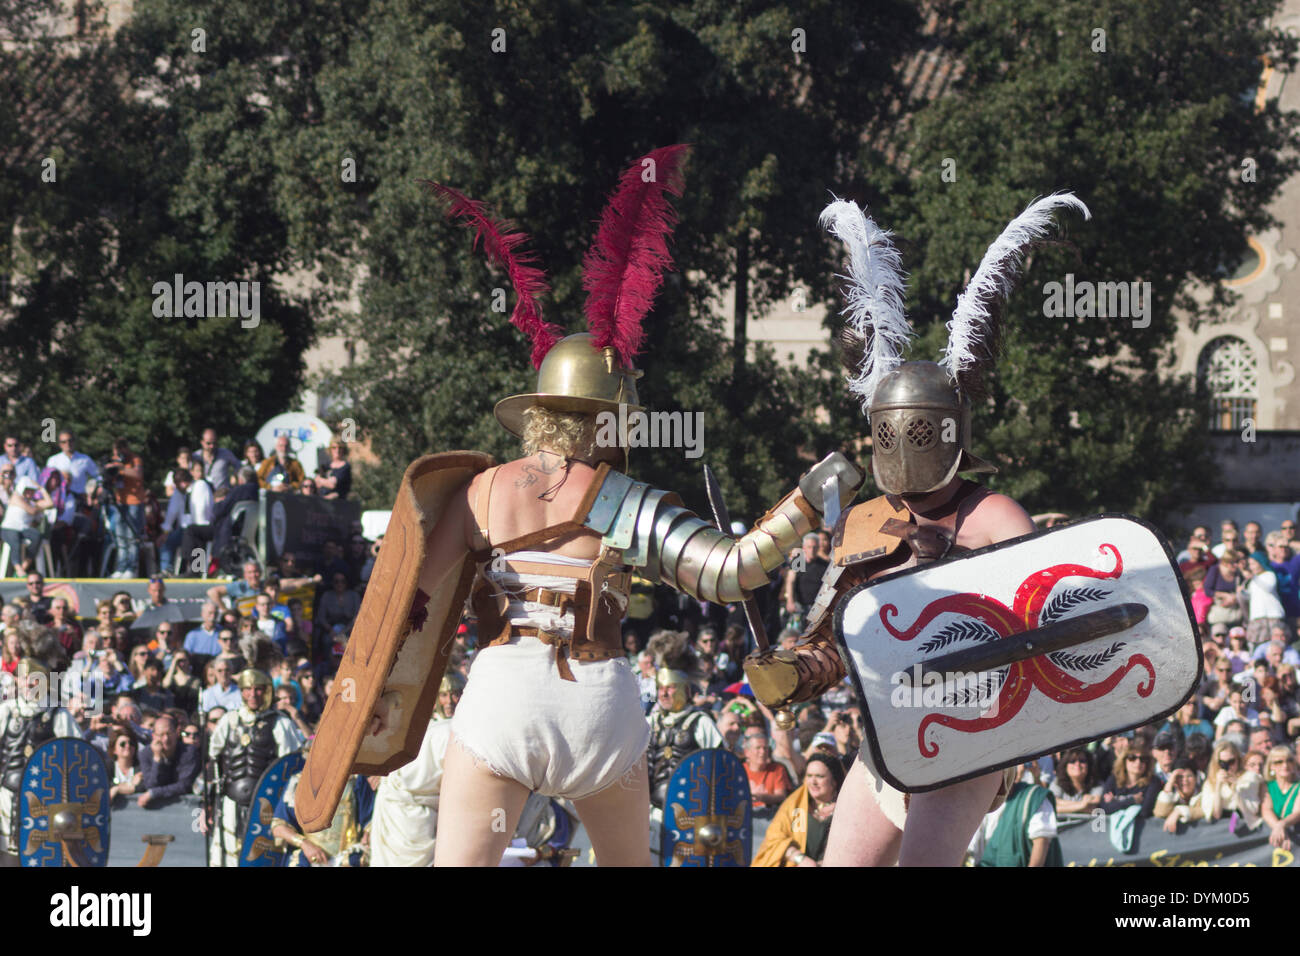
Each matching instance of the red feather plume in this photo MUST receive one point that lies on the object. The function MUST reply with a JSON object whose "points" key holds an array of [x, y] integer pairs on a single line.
{"points": [[624, 267], [502, 248]]}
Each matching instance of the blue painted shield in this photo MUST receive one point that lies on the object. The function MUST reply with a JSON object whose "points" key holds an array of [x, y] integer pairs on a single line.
{"points": [[258, 848], [707, 817], [63, 807]]}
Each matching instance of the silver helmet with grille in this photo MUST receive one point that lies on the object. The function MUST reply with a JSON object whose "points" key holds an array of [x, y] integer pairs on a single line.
{"points": [[920, 431]]}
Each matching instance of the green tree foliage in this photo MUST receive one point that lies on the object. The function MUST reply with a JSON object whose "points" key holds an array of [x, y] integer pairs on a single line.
{"points": [[1083, 414], [164, 166], [542, 131]]}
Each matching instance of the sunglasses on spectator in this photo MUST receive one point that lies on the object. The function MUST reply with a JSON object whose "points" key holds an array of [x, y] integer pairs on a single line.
{"points": [[1141, 757]]}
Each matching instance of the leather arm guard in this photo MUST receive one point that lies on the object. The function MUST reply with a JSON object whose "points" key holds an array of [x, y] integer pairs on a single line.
{"points": [[674, 545]]}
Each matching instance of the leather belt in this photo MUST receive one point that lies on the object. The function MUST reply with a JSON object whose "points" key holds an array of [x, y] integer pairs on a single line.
{"points": [[562, 645]]}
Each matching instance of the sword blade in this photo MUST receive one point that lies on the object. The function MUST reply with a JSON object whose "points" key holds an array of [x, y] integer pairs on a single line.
{"points": [[1042, 640], [723, 520]]}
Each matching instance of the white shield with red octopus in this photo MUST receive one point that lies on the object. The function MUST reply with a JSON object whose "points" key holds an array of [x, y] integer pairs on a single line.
{"points": [[1019, 649]]}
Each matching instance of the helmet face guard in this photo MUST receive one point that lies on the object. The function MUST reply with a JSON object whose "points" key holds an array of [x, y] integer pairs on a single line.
{"points": [[920, 431]]}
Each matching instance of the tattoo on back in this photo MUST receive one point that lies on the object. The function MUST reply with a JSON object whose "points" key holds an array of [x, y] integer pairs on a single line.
{"points": [[547, 464]]}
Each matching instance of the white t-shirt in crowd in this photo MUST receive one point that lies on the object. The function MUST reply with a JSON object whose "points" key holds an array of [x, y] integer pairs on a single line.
{"points": [[16, 519], [201, 505], [1263, 597], [79, 467]]}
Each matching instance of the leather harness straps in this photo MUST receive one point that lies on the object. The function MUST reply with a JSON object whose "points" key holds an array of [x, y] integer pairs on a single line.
{"points": [[596, 634]]}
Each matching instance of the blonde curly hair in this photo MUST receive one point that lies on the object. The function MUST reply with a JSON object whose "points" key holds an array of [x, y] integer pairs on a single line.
{"points": [[571, 434]]}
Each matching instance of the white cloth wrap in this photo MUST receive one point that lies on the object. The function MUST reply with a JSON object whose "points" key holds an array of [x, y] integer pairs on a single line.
{"points": [[405, 820], [522, 720]]}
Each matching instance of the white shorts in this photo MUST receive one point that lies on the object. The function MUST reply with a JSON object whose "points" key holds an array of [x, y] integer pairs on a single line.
{"points": [[560, 738]]}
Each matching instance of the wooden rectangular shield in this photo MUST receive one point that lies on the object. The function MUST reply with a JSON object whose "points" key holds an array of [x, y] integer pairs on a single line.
{"points": [[398, 648], [1019, 649]]}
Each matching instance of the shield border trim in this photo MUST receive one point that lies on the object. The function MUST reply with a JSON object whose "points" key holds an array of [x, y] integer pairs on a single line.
{"points": [[876, 755]]}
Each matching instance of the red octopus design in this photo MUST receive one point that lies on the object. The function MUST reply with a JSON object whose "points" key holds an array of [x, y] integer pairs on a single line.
{"points": [[1023, 676]]}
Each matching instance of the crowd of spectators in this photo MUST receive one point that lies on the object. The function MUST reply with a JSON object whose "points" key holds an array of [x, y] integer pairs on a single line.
{"points": [[1228, 753], [148, 696], [79, 517]]}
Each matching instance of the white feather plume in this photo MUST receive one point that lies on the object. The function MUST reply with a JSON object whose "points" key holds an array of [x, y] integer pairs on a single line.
{"points": [[995, 278], [874, 295]]}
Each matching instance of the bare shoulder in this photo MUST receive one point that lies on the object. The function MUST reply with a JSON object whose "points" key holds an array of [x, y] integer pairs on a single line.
{"points": [[999, 518]]}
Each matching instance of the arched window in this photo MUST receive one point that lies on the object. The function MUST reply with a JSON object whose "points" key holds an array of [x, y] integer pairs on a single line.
{"points": [[1231, 374]]}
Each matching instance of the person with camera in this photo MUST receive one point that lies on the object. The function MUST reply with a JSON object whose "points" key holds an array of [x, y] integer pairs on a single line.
{"points": [[1178, 800], [281, 471]]}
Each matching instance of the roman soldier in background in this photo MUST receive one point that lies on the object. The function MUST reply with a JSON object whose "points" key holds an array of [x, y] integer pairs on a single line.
{"points": [[677, 727], [28, 720], [244, 743]]}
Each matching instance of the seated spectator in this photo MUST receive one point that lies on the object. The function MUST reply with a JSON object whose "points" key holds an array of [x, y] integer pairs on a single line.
{"points": [[229, 595], [1274, 651], [169, 766], [1237, 654], [135, 664], [181, 683], [338, 606], [123, 609], [1076, 787], [1280, 809], [1178, 802], [123, 755], [12, 652], [769, 782], [284, 701], [296, 625], [1186, 723], [731, 728], [1165, 749], [1215, 687], [1235, 709], [202, 640], [266, 622], [223, 692], [149, 693], [166, 641], [65, 626], [308, 488], [1133, 781], [123, 714], [313, 703], [230, 652], [800, 828], [335, 479], [1230, 788]]}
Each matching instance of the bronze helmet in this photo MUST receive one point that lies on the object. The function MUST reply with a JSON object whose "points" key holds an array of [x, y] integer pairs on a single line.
{"points": [[574, 377], [920, 431], [252, 677]]}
